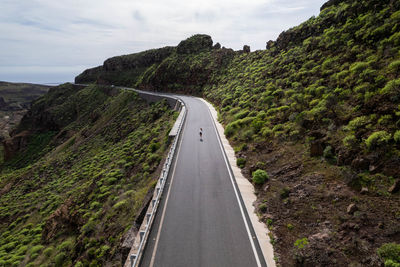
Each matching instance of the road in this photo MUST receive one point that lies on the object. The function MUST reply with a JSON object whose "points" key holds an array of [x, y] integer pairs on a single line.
{"points": [[199, 221]]}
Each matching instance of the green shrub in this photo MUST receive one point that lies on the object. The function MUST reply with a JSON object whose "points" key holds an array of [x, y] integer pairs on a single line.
{"points": [[390, 252], [357, 123], [350, 141], [95, 205], [300, 243], [328, 153], [66, 246], [260, 176], [59, 259], [240, 162], [392, 88], [242, 114], [394, 66], [396, 136], [285, 192], [290, 226], [48, 251], [121, 204], [262, 207], [36, 249], [377, 139], [267, 132], [229, 130]]}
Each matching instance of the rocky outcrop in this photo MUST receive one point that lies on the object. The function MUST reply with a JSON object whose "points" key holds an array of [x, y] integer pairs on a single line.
{"points": [[89, 75], [65, 218], [195, 44], [16, 143], [3, 103], [138, 60]]}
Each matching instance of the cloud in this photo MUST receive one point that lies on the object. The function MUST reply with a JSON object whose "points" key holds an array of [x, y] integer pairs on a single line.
{"points": [[71, 34]]}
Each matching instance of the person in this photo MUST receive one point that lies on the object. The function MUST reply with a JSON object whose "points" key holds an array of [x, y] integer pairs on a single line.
{"points": [[201, 134]]}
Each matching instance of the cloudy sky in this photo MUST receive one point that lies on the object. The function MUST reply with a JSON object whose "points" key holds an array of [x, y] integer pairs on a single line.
{"points": [[45, 41]]}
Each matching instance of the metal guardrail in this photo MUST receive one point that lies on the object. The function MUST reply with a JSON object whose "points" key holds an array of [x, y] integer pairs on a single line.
{"points": [[147, 223]]}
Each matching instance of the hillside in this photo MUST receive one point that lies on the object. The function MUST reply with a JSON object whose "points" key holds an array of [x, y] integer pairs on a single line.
{"points": [[81, 167], [15, 99], [319, 112]]}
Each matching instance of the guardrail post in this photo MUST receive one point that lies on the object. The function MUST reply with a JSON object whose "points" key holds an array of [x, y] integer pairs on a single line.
{"points": [[148, 215], [132, 257], [142, 235], [153, 202]]}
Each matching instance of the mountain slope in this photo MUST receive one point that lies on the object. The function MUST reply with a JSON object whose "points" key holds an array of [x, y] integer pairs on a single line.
{"points": [[85, 162], [319, 112]]}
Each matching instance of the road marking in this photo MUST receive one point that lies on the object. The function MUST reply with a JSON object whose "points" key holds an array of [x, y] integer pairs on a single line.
{"points": [[236, 193], [153, 256]]}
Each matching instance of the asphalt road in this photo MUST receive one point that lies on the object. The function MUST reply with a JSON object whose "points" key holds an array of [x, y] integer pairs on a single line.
{"points": [[201, 221]]}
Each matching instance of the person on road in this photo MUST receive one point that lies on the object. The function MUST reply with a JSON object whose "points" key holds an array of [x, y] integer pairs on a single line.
{"points": [[201, 134]]}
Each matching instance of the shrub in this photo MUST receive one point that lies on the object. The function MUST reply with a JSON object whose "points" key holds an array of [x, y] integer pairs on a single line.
{"points": [[242, 114], [358, 122], [290, 226], [240, 162], [257, 125], [36, 249], [350, 141], [396, 136], [260, 176], [300, 243], [267, 132], [263, 207], [48, 251], [390, 252], [328, 154], [66, 246], [285, 193], [392, 88], [60, 258], [121, 204], [229, 130], [377, 139]]}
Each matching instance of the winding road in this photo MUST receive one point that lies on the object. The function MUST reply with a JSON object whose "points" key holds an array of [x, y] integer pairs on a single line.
{"points": [[201, 220]]}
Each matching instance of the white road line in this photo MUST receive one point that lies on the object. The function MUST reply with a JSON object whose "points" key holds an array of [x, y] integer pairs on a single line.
{"points": [[236, 194], [153, 256]]}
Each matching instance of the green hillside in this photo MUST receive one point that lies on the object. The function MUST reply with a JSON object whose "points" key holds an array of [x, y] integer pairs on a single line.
{"points": [[84, 165], [319, 111]]}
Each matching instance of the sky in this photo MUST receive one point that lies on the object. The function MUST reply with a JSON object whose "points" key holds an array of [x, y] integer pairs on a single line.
{"points": [[50, 41]]}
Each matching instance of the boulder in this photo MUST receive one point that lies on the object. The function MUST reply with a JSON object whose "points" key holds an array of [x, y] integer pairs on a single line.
{"points": [[352, 208], [364, 190], [269, 45], [360, 164], [217, 46], [316, 149], [395, 187]]}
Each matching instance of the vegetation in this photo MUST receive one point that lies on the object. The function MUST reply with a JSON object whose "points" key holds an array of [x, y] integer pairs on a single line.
{"points": [[260, 176], [391, 254], [71, 195], [319, 111]]}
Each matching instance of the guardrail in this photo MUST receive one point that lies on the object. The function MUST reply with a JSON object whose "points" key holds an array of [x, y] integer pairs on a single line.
{"points": [[144, 230]]}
